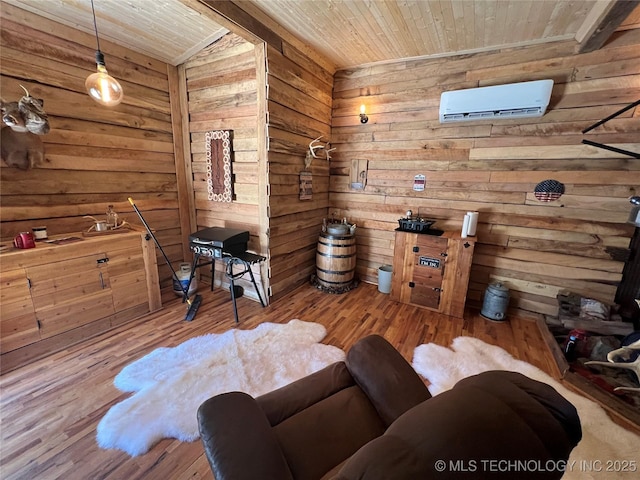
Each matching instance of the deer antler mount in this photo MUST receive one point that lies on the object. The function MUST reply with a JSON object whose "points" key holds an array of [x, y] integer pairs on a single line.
{"points": [[315, 147]]}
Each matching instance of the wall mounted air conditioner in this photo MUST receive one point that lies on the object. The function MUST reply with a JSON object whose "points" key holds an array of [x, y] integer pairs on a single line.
{"points": [[514, 100]]}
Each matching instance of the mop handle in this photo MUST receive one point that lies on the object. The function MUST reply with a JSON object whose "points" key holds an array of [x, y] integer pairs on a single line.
{"points": [[175, 275]]}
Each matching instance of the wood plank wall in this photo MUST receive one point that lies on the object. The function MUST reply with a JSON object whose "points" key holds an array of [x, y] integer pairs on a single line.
{"points": [[94, 156], [294, 87], [136, 140], [223, 95], [535, 248], [299, 110]]}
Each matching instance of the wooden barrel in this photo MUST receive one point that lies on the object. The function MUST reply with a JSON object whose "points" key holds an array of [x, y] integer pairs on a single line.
{"points": [[335, 261]]}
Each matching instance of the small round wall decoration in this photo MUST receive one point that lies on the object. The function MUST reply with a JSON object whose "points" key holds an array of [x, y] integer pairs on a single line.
{"points": [[548, 190]]}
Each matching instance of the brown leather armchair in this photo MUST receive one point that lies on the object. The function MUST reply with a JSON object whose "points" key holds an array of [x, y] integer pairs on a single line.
{"points": [[372, 417]]}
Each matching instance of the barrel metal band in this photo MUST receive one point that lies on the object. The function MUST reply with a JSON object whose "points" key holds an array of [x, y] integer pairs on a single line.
{"points": [[336, 272], [341, 245], [322, 280], [336, 256]]}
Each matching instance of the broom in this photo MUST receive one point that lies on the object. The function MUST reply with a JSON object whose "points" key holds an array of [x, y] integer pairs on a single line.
{"points": [[193, 304]]}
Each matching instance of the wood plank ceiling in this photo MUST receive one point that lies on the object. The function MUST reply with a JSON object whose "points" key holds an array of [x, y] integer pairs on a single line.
{"points": [[168, 30], [360, 32], [349, 32]]}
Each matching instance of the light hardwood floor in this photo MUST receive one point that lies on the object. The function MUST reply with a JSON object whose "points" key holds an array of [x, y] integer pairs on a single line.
{"points": [[50, 408]]}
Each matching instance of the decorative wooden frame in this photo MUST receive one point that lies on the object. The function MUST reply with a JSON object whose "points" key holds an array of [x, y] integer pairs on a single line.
{"points": [[219, 176], [306, 185]]}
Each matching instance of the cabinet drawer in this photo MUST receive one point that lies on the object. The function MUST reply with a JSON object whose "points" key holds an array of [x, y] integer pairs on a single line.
{"points": [[78, 276], [427, 284], [129, 290], [68, 315], [432, 263], [432, 242], [425, 295], [71, 293], [68, 281]]}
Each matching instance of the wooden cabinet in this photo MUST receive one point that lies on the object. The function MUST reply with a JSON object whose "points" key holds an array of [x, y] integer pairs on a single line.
{"points": [[432, 271], [56, 295], [18, 324], [70, 293]]}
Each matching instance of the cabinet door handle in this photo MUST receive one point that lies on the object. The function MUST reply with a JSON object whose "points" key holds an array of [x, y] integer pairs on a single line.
{"points": [[411, 284], [416, 249], [437, 289], [102, 260], [444, 254]]}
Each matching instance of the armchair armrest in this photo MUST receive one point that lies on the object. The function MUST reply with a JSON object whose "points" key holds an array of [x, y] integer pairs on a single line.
{"points": [[238, 439]]}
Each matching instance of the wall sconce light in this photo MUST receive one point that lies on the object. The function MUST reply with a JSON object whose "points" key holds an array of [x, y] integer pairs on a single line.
{"points": [[101, 86], [363, 115]]}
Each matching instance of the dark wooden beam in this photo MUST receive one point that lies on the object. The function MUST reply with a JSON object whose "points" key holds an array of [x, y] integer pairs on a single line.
{"points": [[609, 23], [238, 16]]}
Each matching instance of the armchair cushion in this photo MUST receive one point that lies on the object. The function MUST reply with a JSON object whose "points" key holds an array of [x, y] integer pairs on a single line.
{"points": [[491, 416], [327, 433], [387, 457]]}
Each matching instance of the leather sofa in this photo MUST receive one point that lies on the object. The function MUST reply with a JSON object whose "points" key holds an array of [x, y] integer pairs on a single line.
{"points": [[371, 417]]}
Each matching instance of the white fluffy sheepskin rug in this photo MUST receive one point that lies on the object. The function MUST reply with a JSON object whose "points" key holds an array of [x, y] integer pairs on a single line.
{"points": [[169, 384], [605, 448]]}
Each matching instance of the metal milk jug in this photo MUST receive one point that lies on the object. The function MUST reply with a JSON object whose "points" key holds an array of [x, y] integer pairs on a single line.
{"points": [[496, 301]]}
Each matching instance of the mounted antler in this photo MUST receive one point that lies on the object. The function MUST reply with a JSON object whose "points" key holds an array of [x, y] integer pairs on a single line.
{"points": [[328, 151], [311, 154]]}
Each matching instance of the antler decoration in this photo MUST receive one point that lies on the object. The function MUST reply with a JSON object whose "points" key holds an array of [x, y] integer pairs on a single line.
{"points": [[311, 154]]}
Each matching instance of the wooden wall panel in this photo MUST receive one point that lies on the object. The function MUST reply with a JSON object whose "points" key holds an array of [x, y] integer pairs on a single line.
{"points": [[537, 249], [94, 156], [299, 110], [222, 89], [222, 95]]}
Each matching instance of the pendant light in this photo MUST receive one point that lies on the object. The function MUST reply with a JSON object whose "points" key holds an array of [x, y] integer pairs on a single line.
{"points": [[101, 86]]}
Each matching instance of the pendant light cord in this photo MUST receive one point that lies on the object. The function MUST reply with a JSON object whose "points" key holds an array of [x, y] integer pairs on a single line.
{"points": [[95, 25]]}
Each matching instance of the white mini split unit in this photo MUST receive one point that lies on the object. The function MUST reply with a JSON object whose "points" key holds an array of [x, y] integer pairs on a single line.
{"points": [[514, 100]]}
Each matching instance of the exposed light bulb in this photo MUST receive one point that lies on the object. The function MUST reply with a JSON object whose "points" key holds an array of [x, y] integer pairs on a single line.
{"points": [[102, 87], [362, 109]]}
